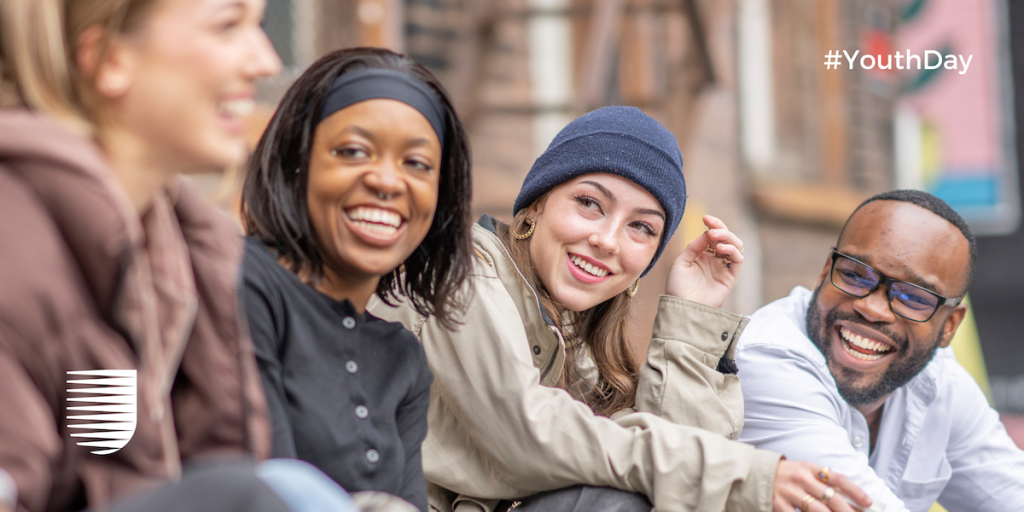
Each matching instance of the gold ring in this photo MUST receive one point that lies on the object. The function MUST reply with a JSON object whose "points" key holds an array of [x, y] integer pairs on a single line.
{"points": [[823, 475], [830, 492], [806, 502]]}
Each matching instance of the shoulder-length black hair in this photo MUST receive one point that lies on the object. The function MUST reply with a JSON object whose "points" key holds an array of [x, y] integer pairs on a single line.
{"points": [[274, 205]]}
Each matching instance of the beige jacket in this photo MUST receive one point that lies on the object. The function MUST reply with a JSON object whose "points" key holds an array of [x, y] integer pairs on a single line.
{"points": [[499, 429]]}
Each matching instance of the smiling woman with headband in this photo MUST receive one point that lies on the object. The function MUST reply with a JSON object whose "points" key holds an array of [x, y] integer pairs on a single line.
{"points": [[360, 186]]}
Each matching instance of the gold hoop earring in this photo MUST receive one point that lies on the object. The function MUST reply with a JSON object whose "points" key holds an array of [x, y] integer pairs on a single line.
{"points": [[631, 291], [528, 234]]}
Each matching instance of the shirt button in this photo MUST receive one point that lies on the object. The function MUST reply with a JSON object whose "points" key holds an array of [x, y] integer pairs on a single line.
{"points": [[351, 366], [362, 412], [536, 349], [372, 456], [857, 441], [348, 322], [725, 336]]}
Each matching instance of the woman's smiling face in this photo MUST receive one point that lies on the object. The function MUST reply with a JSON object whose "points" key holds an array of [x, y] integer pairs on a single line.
{"points": [[188, 80], [595, 235], [373, 186]]}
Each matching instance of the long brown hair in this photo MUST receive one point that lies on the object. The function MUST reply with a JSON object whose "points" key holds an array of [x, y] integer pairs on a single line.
{"points": [[602, 329]]}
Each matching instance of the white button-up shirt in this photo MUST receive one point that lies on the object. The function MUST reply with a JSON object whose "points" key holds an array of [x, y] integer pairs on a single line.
{"points": [[938, 441]]}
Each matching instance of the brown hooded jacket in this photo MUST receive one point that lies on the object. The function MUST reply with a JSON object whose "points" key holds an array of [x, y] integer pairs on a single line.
{"points": [[86, 284]]}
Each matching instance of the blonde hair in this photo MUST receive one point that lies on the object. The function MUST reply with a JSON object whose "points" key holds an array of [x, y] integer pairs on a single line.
{"points": [[38, 43], [603, 329]]}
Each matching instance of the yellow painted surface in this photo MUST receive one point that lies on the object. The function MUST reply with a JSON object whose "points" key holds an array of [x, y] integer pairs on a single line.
{"points": [[932, 159], [692, 224], [967, 347]]}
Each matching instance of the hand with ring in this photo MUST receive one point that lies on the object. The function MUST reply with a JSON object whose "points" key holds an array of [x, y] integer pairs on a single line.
{"points": [[708, 267], [807, 487]]}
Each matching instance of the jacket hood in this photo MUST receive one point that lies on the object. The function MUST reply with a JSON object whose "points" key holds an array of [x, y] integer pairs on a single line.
{"points": [[72, 180]]}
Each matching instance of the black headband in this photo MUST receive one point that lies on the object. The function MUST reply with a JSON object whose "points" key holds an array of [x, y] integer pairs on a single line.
{"points": [[369, 84]]}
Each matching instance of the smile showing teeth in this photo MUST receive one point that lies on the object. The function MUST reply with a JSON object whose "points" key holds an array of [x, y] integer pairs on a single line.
{"points": [[375, 215], [587, 267], [239, 107], [862, 348], [375, 220]]}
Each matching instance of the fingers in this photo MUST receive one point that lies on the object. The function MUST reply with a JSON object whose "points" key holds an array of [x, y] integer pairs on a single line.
{"points": [[718, 241], [845, 485], [836, 503], [841, 485], [695, 248], [803, 490], [791, 482], [725, 243], [713, 222], [779, 504], [813, 493], [729, 251], [719, 233]]}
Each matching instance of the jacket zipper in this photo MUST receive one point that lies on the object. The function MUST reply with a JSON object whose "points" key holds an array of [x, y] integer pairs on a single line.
{"points": [[191, 308], [173, 457]]}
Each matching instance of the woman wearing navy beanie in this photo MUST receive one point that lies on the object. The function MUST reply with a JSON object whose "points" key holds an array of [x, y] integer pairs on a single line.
{"points": [[537, 403]]}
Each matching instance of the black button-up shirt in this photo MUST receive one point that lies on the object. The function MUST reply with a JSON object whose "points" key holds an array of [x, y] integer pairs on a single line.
{"points": [[348, 392]]}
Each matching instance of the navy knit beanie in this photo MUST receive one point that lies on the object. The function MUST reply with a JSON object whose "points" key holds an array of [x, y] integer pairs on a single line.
{"points": [[615, 140]]}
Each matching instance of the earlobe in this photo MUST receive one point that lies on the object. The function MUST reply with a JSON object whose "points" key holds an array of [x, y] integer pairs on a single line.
{"points": [[103, 62], [112, 85], [952, 323]]}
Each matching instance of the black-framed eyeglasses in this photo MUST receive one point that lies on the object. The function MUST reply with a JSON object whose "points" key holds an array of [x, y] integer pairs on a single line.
{"points": [[908, 300]]}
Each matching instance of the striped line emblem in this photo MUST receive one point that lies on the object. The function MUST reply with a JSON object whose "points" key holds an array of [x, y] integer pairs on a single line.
{"points": [[102, 408]]}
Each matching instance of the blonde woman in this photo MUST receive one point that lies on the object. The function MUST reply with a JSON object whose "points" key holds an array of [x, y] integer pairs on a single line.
{"points": [[110, 262], [534, 398]]}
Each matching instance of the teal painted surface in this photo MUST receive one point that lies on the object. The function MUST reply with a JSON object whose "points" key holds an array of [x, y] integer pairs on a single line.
{"points": [[968, 191]]}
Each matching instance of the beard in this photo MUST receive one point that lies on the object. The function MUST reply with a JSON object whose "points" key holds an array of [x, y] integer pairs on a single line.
{"points": [[905, 365]]}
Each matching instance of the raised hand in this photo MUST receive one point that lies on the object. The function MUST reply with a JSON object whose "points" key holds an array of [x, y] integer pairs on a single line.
{"points": [[707, 269]]}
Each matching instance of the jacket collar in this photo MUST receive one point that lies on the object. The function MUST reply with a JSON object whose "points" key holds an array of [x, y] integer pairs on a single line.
{"points": [[491, 225], [103, 232], [546, 342]]}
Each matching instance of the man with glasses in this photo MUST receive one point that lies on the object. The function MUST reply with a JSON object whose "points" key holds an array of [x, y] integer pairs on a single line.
{"points": [[857, 375]]}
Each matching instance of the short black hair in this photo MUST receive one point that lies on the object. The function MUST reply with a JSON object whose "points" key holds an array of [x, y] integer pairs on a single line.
{"points": [[274, 207], [934, 205]]}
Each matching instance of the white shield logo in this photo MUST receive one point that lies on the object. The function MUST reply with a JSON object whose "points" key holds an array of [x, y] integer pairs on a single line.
{"points": [[110, 395]]}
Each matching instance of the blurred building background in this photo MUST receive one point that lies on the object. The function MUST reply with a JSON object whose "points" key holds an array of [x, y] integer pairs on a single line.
{"points": [[775, 144]]}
